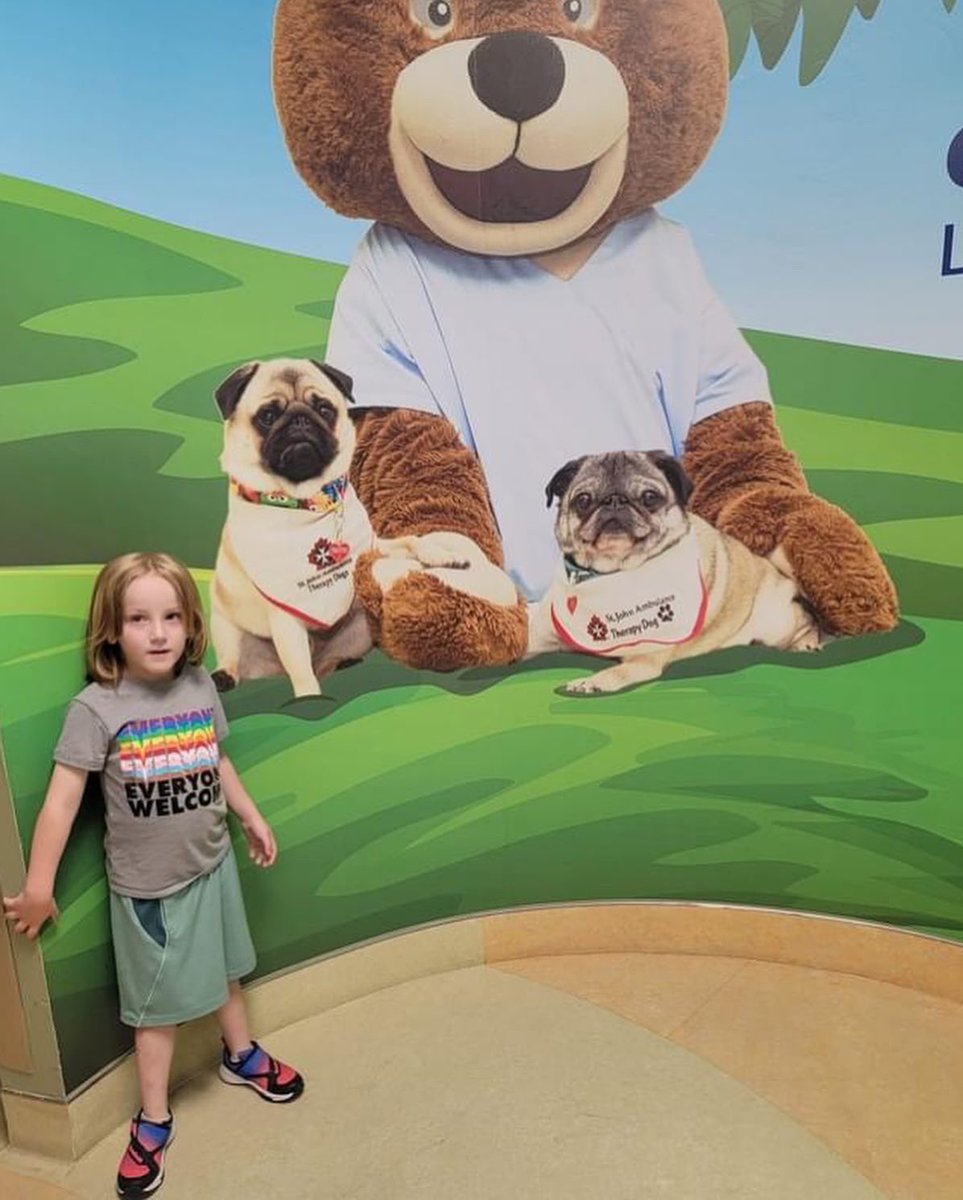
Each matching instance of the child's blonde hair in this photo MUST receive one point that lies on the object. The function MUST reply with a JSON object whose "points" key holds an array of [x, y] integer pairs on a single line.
{"points": [[105, 662]]}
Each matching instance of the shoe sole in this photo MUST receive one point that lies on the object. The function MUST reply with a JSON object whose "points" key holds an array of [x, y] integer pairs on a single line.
{"points": [[235, 1080], [149, 1191]]}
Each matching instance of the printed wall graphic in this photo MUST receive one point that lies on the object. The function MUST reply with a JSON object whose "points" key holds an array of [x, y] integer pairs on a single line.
{"points": [[517, 298], [516, 268], [283, 591]]}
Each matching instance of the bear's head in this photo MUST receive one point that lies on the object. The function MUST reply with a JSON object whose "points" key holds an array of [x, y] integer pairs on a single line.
{"points": [[499, 126]]}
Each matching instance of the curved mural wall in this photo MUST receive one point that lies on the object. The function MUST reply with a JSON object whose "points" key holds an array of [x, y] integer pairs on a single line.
{"points": [[156, 237]]}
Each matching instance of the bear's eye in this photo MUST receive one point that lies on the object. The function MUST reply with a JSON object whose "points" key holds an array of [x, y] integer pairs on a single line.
{"points": [[651, 499], [580, 12], [582, 502], [434, 16]]}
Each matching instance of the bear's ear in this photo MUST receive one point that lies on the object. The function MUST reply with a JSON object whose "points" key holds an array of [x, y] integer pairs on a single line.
{"points": [[674, 472], [558, 485], [229, 393], [344, 383]]}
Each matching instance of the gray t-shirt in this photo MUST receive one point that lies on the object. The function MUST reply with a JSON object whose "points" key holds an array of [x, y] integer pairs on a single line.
{"points": [[156, 748]]}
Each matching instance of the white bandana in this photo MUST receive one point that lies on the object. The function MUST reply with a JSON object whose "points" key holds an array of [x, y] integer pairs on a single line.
{"points": [[300, 559], [661, 603]]}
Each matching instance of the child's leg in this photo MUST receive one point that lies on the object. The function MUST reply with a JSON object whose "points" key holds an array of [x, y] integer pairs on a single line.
{"points": [[245, 1062], [155, 1050], [232, 1018], [141, 1170]]}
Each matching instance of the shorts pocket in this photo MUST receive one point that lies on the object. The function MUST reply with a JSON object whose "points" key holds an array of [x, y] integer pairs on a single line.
{"points": [[150, 917]]}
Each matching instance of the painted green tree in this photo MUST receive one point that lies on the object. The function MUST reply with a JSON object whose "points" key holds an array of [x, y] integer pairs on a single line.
{"points": [[773, 22]]}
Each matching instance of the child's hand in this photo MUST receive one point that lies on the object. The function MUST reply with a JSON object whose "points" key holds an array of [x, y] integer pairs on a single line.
{"points": [[28, 913], [260, 839]]}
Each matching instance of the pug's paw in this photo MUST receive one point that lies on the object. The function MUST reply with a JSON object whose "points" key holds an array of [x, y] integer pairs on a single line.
{"points": [[223, 680], [452, 550], [807, 640], [441, 549], [430, 551], [387, 571], [780, 560], [589, 686], [615, 679], [452, 558]]}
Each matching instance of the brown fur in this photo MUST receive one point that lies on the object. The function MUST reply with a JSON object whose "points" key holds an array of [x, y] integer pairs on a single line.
{"points": [[749, 485], [335, 66], [414, 475], [335, 103], [463, 632]]}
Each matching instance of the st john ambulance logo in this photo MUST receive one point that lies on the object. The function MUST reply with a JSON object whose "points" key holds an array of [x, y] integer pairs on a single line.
{"points": [[325, 553], [597, 628]]}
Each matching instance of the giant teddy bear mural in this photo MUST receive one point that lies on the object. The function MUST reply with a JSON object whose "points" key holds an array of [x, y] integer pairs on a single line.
{"points": [[520, 302]]}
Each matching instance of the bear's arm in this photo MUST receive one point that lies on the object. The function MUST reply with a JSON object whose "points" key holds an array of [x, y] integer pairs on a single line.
{"points": [[751, 486], [415, 476]]}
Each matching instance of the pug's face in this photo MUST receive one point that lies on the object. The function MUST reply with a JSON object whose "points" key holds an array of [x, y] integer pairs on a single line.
{"points": [[286, 425], [618, 510]]}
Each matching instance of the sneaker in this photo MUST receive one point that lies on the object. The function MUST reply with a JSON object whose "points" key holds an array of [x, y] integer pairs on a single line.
{"points": [[141, 1170], [255, 1068]]}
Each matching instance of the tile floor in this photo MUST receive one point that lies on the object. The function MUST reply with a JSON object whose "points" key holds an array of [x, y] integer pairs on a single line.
{"points": [[582, 1077]]}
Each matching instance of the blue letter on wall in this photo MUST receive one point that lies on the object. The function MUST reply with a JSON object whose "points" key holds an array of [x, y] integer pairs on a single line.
{"points": [[948, 268]]}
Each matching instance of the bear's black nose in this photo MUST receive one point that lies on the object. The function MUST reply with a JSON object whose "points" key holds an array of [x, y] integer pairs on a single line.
{"points": [[517, 74]]}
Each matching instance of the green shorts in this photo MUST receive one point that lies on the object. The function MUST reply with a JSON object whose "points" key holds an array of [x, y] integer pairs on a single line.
{"points": [[175, 955]]}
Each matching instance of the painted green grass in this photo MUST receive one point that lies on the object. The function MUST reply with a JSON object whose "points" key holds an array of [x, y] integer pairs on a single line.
{"points": [[49, 254], [856, 381], [170, 311], [165, 305], [827, 784]]}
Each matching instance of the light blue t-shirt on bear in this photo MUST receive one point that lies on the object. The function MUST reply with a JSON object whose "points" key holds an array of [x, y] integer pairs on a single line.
{"points": [[533, 370]]}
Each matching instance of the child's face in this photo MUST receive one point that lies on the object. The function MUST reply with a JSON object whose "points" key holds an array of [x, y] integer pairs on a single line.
{"points": [[153, 637]]}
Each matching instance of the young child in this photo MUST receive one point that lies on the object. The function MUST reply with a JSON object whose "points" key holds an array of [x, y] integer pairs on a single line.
{"points": [[151, 723]]}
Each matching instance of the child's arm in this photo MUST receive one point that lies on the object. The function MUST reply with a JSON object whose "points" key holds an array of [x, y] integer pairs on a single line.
{"points": [[35, 904], [260, 839]]}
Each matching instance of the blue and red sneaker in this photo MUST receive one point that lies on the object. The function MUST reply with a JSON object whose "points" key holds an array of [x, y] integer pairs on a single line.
{"points": [[255, 1068], [141, 1170]]}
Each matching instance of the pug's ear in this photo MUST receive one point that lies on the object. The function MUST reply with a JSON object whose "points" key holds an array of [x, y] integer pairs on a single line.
{"points": [[558, 485], [344, 383], [228, 394], [674, 472]]}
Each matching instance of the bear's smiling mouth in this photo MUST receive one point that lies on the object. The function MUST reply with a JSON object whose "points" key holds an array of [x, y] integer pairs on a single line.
{"points": [[510, 193]]}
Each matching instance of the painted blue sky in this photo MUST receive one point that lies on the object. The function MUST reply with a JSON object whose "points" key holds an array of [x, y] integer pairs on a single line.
{"points": [[820, 212]]}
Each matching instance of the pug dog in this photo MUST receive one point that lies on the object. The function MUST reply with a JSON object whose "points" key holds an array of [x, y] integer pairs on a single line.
{"points": [[284, 575], [646, 582]]}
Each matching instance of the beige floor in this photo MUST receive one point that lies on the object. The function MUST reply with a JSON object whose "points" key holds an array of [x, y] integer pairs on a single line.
{"points": [[587, 1076]]}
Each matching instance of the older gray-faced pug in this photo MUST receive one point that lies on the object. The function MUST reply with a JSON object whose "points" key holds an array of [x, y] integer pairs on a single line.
{"points": [[646, 582], [285, 566]]}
